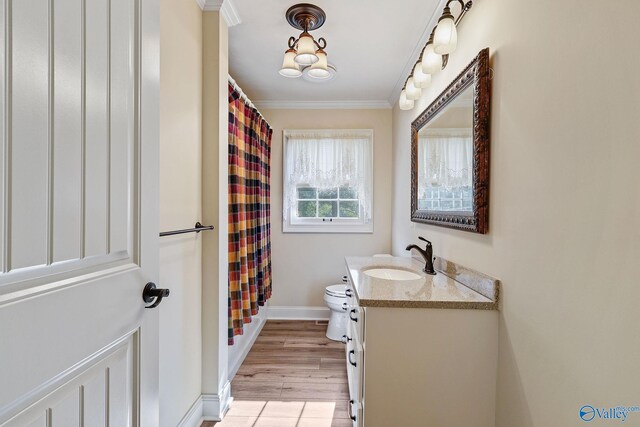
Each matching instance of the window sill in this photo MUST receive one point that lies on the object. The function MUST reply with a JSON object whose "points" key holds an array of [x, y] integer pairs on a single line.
{"points": [[328, 228]]}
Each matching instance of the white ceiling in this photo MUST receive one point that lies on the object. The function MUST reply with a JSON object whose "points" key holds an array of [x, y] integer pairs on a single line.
{"points": [[373, 44]]}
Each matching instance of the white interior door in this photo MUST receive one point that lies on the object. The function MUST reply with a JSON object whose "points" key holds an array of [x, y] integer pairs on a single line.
{"points": [[78, 212]]}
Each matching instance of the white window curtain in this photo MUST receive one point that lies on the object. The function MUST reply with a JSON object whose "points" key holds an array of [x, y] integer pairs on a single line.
{"points": [[328, 159], [445, 158]]}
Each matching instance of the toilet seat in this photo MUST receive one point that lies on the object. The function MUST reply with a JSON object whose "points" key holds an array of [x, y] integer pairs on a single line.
{"points": [[338, 291]]}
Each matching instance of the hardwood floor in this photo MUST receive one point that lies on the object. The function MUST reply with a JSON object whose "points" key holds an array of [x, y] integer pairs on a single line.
{"points": [[293, 376]]}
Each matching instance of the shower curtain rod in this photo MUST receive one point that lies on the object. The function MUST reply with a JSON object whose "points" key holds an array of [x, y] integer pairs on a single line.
{"points": [[245, 97]]}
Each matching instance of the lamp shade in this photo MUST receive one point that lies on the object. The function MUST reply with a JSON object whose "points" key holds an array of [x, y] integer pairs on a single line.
{"points": [[306, 50], [431, 61], [320, 69], [289, 66], [404, 103], [413, 92], [420, 79], [445, 38]]}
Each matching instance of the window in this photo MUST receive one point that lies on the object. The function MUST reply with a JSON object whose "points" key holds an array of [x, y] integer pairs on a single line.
{"points": [[328, 180], [445, 171]]}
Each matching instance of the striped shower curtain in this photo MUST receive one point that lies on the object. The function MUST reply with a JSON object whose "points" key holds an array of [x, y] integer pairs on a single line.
{"points": [[249, 212]]}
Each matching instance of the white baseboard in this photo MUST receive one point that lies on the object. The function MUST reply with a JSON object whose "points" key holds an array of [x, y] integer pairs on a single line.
{"points": [[245, 342], [193, 417], [208, 407], [298, 313], [214, 406]]}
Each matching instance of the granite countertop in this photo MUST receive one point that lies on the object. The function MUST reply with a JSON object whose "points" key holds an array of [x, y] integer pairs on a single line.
{"points": [[471, 290]]}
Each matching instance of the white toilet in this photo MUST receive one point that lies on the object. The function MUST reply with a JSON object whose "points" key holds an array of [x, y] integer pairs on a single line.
{"points": [[336, 299]]}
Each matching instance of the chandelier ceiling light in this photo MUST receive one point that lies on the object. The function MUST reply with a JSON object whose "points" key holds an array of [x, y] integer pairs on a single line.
{"points": [[305, 55]]}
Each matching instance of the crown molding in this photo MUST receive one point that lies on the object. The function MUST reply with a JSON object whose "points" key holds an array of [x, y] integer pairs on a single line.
{"points": [[225, 7], [417, 50], [323, 105], [230, 14], [211, 5]]}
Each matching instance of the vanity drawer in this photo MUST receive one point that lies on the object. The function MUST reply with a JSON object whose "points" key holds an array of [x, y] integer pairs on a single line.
{"points": [[351, 295], [354, 311], [355, 365], [355, 412], [356, 322]]}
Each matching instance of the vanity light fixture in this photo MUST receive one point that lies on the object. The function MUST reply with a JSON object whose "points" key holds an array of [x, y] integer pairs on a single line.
{"points": [[405, 103], [305, 54], [445, 38], [431, 62], [420, 79], [413, 92], [434, 57]]}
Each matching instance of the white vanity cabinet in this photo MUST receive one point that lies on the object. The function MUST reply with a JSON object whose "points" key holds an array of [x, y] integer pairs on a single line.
{"points": [[355, 357], [417, 366]]}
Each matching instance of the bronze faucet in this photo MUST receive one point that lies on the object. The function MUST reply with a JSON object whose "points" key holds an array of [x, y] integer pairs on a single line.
{"points": [[427, 254]]}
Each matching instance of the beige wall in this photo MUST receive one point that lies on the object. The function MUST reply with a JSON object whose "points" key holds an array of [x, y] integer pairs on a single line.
{"points": [[564, 233], [180, 206], [304, 264]]}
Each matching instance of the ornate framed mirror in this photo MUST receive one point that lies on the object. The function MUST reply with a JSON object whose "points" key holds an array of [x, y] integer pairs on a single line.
{"points": [[450, 153]]}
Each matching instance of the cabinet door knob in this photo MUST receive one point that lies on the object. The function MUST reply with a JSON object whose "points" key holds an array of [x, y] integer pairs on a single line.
{"points": [[348, 292], [355, 319], [351, 361], [346, 339]]}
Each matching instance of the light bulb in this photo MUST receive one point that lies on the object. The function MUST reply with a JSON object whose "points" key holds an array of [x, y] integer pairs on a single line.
{"points": [[431, 61], [420, 79], [306, 50], [413, 92], [445, 38], [289, 66], [404, 103]]}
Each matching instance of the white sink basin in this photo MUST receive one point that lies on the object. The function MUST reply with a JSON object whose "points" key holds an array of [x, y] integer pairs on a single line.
{"points": [[391, 274]]}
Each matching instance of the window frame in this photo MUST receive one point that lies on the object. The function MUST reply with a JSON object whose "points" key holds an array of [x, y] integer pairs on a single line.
{"points": [[337, 219], [291, 223]]}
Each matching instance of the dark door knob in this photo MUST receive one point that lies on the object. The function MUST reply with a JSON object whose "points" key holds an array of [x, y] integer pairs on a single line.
{"points": [[151, 293]]}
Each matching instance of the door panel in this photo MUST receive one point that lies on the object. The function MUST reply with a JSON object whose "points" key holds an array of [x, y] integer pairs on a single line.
{"points": [[99, 387], [97, 126], [40, 422], [73, 168], [78, 221], [93, 400], [66, 413], [52, 332], [122, 126], [28, 134], [67, 130]]}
